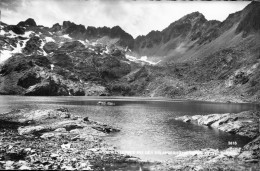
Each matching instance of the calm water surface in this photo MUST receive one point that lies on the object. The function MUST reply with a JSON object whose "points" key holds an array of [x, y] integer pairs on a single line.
{"points": [[147, 125]]}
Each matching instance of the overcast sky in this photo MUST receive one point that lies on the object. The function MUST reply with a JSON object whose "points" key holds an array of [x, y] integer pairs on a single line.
{"points": [[135, 17]]}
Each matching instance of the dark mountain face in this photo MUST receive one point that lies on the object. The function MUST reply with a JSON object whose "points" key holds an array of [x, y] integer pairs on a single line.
{"points": [[29, 22], [80, 32], [250, 21]]}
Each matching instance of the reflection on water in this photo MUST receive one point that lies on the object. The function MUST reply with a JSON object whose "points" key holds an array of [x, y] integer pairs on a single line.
{"points": [[146, 124]]}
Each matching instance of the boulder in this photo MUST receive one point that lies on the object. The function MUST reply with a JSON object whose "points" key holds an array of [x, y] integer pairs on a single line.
{"points": [[67, 124], [247, 155], [50, 47], [39, 115], [231, 127], [31, 129], [184, 118], [230, 152], [106, 103], [60, 130], [86, 119], [48, 135], [225, 119], [209, 119], [196, 117]]}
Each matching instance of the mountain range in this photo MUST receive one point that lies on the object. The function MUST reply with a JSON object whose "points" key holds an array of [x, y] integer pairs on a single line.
{"points": [[192, 58]]}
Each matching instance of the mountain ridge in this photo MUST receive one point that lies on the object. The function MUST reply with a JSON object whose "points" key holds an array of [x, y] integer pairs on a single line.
{"points": [[192, 58]]}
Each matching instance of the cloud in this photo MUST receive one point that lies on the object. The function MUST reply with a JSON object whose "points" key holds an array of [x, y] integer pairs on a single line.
{"points": [[135, 17]]}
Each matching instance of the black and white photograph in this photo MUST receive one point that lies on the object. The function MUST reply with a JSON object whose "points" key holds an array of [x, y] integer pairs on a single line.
{"points": [[129, 85]]}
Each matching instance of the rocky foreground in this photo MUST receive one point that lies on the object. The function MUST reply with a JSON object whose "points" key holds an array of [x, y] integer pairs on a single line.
{"points": [[57, 140]]}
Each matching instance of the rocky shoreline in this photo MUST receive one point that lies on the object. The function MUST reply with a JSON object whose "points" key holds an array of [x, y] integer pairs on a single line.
{"points": [[57, 140], [245, 158], [54, 139], [243, 123]]}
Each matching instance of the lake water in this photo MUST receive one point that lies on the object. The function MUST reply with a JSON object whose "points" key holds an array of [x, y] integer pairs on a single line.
{"points": [[147, 125]]}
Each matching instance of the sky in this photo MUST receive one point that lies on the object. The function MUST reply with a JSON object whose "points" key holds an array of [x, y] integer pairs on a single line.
{"points": [[135, 17]]}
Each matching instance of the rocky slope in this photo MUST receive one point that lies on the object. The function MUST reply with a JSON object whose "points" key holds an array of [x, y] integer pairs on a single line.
{"points": [[206, 60], [192, 58], [47, 61]]}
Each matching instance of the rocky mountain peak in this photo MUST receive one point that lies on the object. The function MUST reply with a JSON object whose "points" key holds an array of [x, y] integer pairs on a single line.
{"points": [[56, 27], [29, 22], [250, 21], [119, 32], [194, 16]]}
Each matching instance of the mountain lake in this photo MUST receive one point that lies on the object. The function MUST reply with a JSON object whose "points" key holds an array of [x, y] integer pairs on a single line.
{"points": [[148, 126]]}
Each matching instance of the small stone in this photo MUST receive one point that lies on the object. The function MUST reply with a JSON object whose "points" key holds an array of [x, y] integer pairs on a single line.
{"points": [[22, 162], [86, 119], [60, 130], [65, 146], [53, 155], [48, 135], [246, 155], [9, 163], [75, 138], [252, 161], [67, 168], [87, 168], [65, 115], [27, 149], [24, 167], [75, 131]]}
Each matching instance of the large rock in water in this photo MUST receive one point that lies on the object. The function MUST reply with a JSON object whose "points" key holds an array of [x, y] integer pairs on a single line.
{"points": [[243, 123], [209, 119]]}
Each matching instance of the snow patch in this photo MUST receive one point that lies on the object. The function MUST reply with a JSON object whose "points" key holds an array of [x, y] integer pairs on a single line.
{"points": [[142, 59], [49, 39], [2, 32], [6, 53], [42, 44], [66, 36], [106, 51], [93, 43], [52, 66], [28, 33], [82, 42]]}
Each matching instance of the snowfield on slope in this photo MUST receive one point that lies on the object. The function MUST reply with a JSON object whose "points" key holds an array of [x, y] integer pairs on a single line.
{"points": [[142, 59]]}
